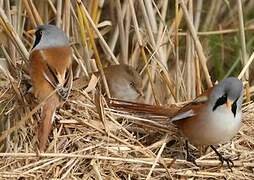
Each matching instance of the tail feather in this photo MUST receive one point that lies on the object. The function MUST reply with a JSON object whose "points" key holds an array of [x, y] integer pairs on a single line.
{"points": [[45, 126], [167, 111]]}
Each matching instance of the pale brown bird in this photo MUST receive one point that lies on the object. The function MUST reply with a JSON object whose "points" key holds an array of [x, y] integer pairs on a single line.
{"points": [[213, 117], [124, 83], [50, 70]]}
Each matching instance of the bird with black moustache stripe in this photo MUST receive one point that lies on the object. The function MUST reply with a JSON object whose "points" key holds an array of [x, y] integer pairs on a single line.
{"points": [[50, 70], [214, 117]]}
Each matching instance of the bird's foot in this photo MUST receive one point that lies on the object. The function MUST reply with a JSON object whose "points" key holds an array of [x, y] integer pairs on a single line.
{"points": [[223, 159], [227, 160], [191, 159]]}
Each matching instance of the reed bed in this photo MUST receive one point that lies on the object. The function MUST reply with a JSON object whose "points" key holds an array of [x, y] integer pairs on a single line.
{"points": [[180, 48]]}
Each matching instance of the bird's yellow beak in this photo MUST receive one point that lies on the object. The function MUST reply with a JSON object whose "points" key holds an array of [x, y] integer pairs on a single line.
{"points": [[229, 104], [32, 31]]}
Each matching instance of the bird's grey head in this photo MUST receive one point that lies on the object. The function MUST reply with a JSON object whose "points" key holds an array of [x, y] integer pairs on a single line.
{"points": [[48, 36], [229, 91]]}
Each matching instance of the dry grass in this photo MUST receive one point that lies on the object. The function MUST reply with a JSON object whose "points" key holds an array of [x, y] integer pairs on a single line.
{"points": [[179, 54]]}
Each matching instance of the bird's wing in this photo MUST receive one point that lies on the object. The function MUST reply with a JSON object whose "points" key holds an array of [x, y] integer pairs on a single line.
{"points": [[192, 108], [50, 74], [183, 115], [63, 89]]}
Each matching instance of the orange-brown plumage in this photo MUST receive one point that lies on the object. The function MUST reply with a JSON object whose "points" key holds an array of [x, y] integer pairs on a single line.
{"points": [[58, 59], [187, 124], [213, 117], [50, 70]]}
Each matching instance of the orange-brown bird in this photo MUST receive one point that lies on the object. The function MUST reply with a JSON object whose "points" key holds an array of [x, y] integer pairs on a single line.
{"points": [[50, 70], [213, 117]]}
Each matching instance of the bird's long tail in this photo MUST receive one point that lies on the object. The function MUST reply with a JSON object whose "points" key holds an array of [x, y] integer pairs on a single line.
{"points": [[167, 111], [45, 125]]}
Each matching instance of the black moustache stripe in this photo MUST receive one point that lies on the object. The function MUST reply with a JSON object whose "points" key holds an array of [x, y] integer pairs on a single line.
{"points": [[37, 38], [234, 107], [222, 100]]}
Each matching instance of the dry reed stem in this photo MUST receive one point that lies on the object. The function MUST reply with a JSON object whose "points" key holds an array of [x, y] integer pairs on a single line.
{"points": [[136, 26], [23, 120], [245, 68], [156, 159], [104, 43], [190, 70], [96, 53], [94, 11], [148, 161], [197, 43], [130, 146], [96, 169], [34, 12], [137, 148], [13, 35], [243, 45], [59, 13], [52, 6], [218, 32], [177, 79], [124, 55], [30, 13], [67, 16]]}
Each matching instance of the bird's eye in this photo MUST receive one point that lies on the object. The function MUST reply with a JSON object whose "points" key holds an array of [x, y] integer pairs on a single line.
{"points": [[224, 96], [38, 32], [132, 84]]}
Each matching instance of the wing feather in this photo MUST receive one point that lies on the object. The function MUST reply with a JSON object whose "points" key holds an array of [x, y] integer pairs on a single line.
{"points": [[191, 109]]}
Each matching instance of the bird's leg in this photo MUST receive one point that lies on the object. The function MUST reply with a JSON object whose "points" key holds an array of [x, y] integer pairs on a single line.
{"points": [[189, 158], [222, 159]]}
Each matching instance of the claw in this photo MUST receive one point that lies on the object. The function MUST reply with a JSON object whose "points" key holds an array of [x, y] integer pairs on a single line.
{"points": [[189, 157], [223, 159], [227, 160]]}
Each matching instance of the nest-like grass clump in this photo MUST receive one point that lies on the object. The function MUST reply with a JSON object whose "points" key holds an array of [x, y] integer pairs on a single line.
{"points": [[179, 48], [124, 145]]}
